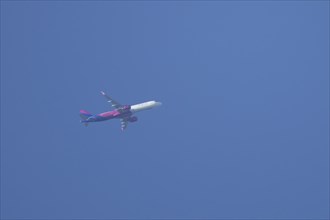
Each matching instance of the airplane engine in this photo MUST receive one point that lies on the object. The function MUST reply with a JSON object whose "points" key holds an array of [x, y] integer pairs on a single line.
{"points": [[125, 107], [133, 119]]}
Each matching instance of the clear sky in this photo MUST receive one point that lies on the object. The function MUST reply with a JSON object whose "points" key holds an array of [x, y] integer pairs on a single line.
{"points": [[244, 127]]}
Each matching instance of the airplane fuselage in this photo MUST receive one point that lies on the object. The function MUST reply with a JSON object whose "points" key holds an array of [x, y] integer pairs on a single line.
{"points": [[125, 112]]}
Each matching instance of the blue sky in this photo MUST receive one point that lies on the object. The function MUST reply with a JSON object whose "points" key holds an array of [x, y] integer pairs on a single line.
{"points": [[244, 127]]}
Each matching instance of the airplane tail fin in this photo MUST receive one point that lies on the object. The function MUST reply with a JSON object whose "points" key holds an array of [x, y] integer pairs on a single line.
{"points": [[84, 114]]}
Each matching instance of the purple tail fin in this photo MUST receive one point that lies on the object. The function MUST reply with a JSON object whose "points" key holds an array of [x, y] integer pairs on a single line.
{"points": [[85, 114]]}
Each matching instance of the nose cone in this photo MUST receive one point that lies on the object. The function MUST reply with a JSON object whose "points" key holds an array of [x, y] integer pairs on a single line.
{"points": [[158, 103]]}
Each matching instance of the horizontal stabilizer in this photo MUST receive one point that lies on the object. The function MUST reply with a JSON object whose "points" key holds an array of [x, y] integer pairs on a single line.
{"points": [[85, 114]]}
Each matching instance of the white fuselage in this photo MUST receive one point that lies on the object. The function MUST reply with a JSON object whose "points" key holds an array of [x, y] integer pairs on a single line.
{"points": [[144, 106]]}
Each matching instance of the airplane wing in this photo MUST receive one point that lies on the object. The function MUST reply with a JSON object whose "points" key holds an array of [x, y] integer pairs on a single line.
{"points": [[112, 102], [124, 123]]}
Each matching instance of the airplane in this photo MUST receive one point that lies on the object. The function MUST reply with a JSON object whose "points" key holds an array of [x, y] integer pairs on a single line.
{"points": [[122, 112]]}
